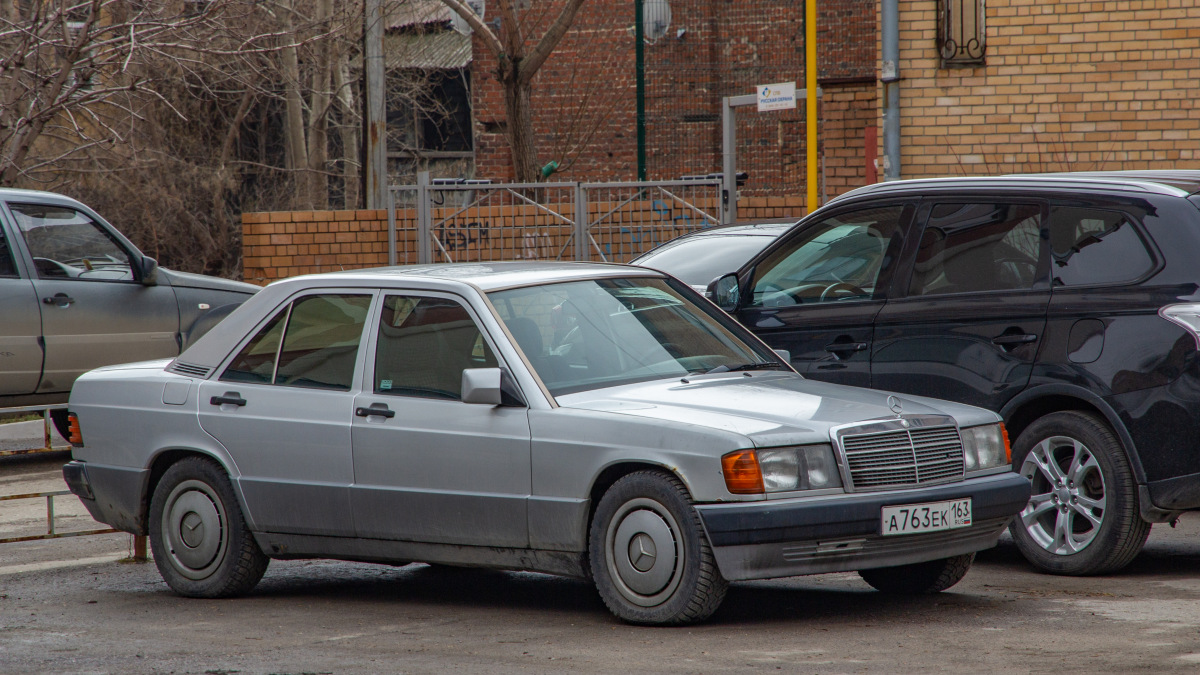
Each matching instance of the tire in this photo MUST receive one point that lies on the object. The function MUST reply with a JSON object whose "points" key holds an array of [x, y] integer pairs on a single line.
{"points": [[673, 578], [1083, 517], [201, 544], [923, 578]]}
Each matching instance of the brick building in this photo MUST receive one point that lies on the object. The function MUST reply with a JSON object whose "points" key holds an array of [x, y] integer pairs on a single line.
{"points": [[1061, 86]]}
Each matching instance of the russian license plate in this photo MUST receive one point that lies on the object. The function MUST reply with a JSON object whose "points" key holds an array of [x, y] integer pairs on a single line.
{"points": [[930, 517]]}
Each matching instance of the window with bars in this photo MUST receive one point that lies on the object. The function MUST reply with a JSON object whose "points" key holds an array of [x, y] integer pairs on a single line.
{"points": [[961, 37]]}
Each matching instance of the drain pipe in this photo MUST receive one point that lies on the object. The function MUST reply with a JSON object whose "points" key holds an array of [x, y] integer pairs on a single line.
{"points": [[890, 77]]}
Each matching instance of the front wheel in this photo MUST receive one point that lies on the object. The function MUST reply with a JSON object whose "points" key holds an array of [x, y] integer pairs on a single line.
{"points": [[1082, 517], [924, 578], [650, 559], [201, 544]]}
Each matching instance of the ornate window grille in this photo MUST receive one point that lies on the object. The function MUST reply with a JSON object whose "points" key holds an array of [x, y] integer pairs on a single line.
{"points": [[961, 36]]}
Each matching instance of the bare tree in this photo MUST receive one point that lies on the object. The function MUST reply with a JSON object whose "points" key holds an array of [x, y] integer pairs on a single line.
{"points": [[520, 57]]}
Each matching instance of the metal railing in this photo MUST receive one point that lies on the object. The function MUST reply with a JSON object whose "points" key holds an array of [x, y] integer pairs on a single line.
{"points": [[47, 435], [51, 532], [479, 221]]}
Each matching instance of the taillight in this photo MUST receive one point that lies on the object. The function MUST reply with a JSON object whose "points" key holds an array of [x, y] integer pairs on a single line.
{"points": [[1186, 315], [75, 436]]}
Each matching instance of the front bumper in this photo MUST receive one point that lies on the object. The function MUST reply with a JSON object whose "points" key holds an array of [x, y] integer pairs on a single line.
{"points": [[762, 540]]}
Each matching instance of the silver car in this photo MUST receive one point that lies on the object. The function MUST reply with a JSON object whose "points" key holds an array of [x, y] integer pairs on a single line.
{"points": [[596, 421], [76, 295]]}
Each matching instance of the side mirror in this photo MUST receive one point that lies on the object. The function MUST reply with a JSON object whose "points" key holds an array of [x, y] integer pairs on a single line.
{"points": [[148, 270], [724, 292], [482, 385]]}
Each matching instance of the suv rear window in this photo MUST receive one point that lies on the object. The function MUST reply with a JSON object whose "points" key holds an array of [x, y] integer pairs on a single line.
{"points": [[1094, 246]]}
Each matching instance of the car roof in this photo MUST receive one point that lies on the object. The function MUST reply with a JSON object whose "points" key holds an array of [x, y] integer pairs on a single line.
{"points": [[486, 276], [40, 196], [771, 228], [1175, 183]]}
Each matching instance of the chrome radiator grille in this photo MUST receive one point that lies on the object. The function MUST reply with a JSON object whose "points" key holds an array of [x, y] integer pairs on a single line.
{"points": [[904, 457]]}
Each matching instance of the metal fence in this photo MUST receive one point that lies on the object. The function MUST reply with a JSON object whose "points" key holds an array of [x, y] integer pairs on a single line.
{"points": [[477, 221]]}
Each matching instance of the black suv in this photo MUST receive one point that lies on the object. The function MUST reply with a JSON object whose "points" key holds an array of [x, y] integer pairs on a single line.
{"points": [[1068, 303]]}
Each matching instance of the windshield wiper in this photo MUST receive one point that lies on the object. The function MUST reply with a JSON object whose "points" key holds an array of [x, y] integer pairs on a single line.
{"points": [[760, 365]]}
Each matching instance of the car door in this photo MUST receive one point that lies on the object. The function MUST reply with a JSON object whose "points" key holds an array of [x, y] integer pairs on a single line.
{"points": [[20, 328], [973, 314], [94, 309], [282, 408], [427, 466], [816, 293]]}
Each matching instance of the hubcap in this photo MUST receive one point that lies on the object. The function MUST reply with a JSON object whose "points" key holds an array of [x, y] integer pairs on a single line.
{"points": [[1069, 495], [644, 553], [194, 529]]}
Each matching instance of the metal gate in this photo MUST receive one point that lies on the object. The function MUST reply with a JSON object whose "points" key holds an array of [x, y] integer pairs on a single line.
{"points": [[478, 221]]}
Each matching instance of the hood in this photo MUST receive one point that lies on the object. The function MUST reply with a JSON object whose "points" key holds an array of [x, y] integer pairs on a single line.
{"points": [[189, 280], [771, 409]]}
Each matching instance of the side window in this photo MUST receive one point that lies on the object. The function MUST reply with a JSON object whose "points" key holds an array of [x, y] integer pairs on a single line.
{"points": [[837, 259], [7, 268], [66, 244], [311, 343], [967, 248], [424, 345], [1092, 246]]}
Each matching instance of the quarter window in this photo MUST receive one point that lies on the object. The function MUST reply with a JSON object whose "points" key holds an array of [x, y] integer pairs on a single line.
{"points": [[424, 346], [1093, 246], [968, 248], [837, 259], [66, 244], [319, 346]]}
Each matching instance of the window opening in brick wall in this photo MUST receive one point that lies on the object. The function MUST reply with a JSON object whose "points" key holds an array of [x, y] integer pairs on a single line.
{"points": [[961, 37]]}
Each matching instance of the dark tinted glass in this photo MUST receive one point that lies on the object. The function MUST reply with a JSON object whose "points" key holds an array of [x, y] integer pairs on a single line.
{"points": [[256, 361], [321, 341], [7, 269], [424, 345], [838, 259], [967, 248], [1092, 246]]}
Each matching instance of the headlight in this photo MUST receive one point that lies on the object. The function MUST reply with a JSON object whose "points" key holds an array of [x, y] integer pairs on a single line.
{"points": [[807, 467], [986, 447]]}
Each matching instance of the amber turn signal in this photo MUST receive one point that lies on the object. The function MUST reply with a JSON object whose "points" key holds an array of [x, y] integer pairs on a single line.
{"points": [[76, 436], [1007, 446], [742, 475]]}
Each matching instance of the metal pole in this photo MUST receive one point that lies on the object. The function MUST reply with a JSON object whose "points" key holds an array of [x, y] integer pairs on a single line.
{"points": [[728, 163], [581, 224], [810, 88], [376, 113], [391, 206], [424, 246], [639, 37], [890, 76]]}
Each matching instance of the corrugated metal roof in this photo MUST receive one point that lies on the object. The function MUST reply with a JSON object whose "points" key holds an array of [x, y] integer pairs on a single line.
{"points": [[445, 49], [418, 12]]}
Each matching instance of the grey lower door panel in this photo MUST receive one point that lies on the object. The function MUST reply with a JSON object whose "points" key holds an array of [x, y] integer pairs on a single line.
{"points": [[20, 338]]}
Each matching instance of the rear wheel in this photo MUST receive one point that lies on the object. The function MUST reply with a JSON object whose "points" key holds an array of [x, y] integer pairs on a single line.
{"points": [[1083, 517], [200, 541], [923, 578], [650, 559]]}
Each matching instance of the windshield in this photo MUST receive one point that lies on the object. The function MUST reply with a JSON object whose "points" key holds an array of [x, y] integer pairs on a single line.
{"points": [[586, 335], [699, 260]]}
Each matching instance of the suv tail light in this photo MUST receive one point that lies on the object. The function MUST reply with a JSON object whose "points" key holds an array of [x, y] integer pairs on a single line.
{"points": [[1186, 315]]}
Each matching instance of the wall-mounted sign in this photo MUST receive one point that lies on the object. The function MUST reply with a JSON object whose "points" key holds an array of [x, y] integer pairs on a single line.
{"points": [[779, 96]]}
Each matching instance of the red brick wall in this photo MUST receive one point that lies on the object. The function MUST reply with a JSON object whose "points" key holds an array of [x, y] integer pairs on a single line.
{"points": [[585, 94]]}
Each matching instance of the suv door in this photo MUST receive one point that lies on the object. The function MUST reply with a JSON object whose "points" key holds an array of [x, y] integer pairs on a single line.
{"points": [[816, 292], [94, 309], [975, 299], [20, 327]]}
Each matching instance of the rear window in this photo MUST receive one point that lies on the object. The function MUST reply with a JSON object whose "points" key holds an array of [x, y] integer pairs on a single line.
{"points": [[1094, 246]]}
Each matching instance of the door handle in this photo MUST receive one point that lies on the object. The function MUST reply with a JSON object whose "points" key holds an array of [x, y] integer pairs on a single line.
{"points": [[836, 347], [379, 409], [1013, 339], [228, 398], [60, 299]]}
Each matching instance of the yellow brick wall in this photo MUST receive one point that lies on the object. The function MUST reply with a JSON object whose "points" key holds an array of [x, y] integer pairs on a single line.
{"points": [[1068, 86], [283, 244]]}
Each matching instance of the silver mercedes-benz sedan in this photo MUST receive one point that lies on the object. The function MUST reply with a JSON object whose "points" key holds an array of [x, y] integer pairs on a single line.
{"points": [[597, 421]]}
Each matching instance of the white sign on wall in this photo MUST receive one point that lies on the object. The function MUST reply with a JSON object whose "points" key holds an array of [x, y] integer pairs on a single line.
{"points": [[779, 96]]}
